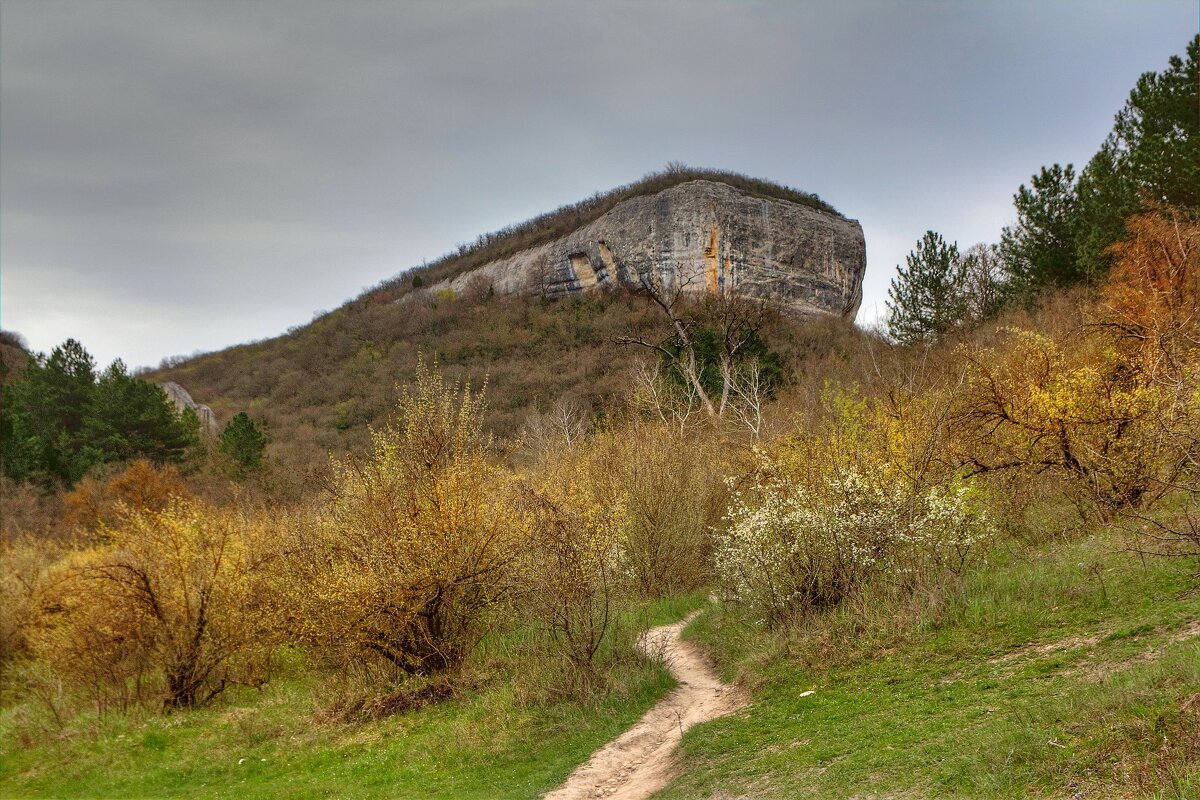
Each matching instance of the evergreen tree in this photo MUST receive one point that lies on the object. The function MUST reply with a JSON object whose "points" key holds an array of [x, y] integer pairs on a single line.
{"points": [[929, 297], [130, 418], [45, 414], [244, 443], [58, 421], [1152, 155], [1157, 133], [1104, 197], [1065, 227], [1040, 249]]}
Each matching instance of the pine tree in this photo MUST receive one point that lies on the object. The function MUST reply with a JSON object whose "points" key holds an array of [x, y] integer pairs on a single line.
{"points": [[244, 443], [929, 297], [1040, 249], [59, 421], [45, 415], [1152, 155], [1157, 133], [130, 418], [1065, 227]]}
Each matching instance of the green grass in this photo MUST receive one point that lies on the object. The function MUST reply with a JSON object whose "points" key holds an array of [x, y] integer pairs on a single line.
{"points": [[490, 744], [1061, 671]]}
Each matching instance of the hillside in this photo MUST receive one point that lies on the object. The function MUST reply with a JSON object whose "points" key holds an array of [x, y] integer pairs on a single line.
{"points": [[320, 386], [13, 355]]}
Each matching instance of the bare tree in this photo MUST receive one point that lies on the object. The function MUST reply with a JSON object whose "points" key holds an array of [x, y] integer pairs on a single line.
{"points": [[668, 293], [736, 320], [984, 280], [748, 396], [653, 393], [564, 423]]}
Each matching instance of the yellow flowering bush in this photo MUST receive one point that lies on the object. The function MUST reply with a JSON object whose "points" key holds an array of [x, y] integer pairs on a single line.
{"points": [[570, 571], [416, 544], [172, 606], [1076, 414]]}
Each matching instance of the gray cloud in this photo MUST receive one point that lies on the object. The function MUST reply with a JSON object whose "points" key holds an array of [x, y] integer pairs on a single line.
{"points": [[182, 176]]}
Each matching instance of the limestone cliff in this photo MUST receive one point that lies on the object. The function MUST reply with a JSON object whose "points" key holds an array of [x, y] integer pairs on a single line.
{"points": [[706, 234]]}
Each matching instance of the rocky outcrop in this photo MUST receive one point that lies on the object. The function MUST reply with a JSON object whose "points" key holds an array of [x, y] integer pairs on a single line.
{"points": [[182, 399], [705, 236]]}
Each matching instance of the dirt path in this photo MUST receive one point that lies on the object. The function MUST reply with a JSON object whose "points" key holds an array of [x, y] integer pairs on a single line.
{"points": [[641, 761]]}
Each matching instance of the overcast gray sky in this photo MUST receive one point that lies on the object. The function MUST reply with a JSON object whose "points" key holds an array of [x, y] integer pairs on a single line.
{"points": [[181, 176]]}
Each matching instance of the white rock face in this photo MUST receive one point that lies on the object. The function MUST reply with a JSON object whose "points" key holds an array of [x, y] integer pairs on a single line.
{"points": [[706, 234], [180, 397]]}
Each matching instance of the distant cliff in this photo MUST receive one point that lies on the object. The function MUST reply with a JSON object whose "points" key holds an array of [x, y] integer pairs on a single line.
{"points": [[706, 234], [183, 400]]}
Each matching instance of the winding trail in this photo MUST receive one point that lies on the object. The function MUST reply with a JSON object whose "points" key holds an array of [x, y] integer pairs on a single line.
{"points": [[641, 761]]}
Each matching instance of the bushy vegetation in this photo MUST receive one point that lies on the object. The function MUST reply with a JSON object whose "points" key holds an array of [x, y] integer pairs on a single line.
{"points": [[793, 546], [990, 529], [171, 606], [417, 543]]}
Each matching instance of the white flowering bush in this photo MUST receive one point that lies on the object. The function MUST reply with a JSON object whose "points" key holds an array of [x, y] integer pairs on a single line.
{"points": [[790, 546]]}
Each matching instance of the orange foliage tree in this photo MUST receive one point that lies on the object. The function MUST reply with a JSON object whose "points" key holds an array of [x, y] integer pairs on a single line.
{"points": [[141, 486], [1151, 305], [1152, 299]]}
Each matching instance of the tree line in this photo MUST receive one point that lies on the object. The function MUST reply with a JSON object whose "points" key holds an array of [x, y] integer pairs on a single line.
{"points": [[61, 419], [1067, 221]]}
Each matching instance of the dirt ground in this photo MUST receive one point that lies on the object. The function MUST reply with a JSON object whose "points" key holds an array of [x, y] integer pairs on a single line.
{"points": [[641, 761]]}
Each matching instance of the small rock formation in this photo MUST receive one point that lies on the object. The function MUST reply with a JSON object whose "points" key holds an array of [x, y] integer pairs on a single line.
{"points": [[706, 234], [180, 397]]}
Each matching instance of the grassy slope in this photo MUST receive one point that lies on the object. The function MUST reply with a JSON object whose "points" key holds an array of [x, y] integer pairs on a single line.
{"points": [[1072, 672], [252, 745], [483, 746], [320, 387]]}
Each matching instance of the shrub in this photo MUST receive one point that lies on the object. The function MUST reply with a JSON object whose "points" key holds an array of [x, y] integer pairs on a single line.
{"points": [[95, 504], [796, 546], [415, 546], [673, 492], [570, 571], [24, 569], [173, 605], [1070, 412]]}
